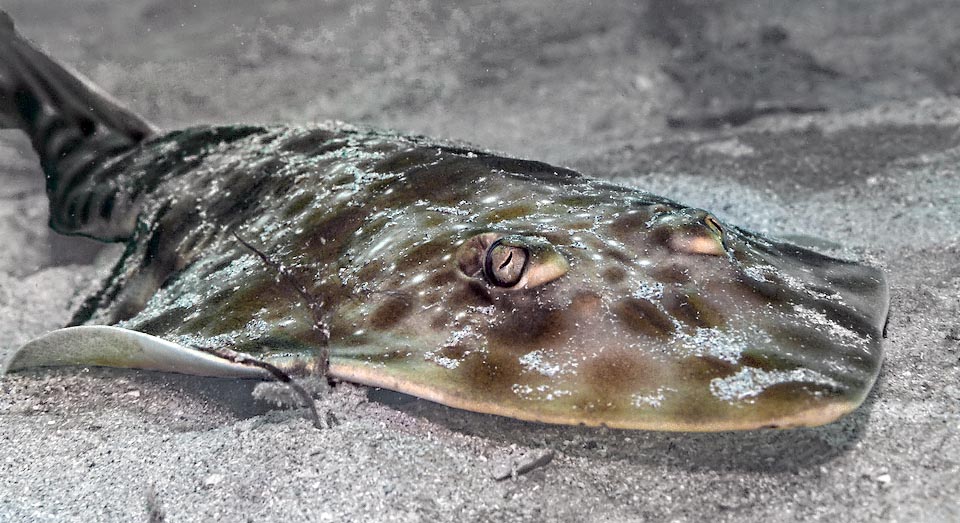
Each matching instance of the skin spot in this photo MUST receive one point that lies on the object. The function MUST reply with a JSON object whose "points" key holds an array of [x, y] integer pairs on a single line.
{"points": [[662, 235], [424, 254], [761, 361], [106, 206], [614, 374], [702, 369], [164, 322], [297, 205], [405, 160], [507, 213], [389, 313], [439, 321], [557, 238], [442, 277], [643, 317], [306, 336], [813, 349], [493, 373], [190, 243], [585, 304], [618, 255], [527, 327], [448, 181], [693, 310], [769, 292], [85, 210], [671, 273], [327, 231], [614, 275], [371, 271], [454, 352], [469, 294], [628, 225], [580, 201], [528, 169], [344, 335], [309, 143], [329, 147], [698, 409], [236, 308]]}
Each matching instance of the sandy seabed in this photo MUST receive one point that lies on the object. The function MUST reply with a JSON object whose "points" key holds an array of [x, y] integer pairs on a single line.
{"points": [[862, 149]]}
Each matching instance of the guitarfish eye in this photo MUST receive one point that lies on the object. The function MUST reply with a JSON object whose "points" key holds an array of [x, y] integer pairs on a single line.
{"points": [[714, 225], [504, 264]]}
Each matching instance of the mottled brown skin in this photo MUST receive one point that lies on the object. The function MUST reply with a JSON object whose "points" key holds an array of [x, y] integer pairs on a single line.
{"points": [[633, 311]]}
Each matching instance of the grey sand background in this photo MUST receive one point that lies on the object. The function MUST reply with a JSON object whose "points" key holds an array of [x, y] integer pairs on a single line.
{"points": [[856, 141]]}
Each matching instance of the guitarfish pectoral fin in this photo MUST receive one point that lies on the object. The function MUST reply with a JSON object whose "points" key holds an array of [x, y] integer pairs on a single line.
{"points": [[104, 346]]}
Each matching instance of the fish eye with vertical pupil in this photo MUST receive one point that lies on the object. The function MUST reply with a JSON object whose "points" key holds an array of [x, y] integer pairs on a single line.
{"points": [[511, 261], [713, 225], [504, 264]]}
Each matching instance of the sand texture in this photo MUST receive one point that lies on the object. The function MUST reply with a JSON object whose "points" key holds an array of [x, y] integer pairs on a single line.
{"points": [[837, 120]]}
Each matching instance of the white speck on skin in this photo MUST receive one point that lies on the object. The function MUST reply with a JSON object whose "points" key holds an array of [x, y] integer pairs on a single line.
{"points": [[539, 393], [651, 400], [751, 382], [534, 361], [836, 331], [724, 345], [650, 291], [488, 310]]}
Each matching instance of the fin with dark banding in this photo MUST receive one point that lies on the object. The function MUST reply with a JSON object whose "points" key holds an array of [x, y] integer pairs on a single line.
{"points": [[103, 346], [78, 131]]}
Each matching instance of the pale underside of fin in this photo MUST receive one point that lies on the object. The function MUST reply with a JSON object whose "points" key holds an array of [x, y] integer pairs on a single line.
{"points": [[104, 346]]}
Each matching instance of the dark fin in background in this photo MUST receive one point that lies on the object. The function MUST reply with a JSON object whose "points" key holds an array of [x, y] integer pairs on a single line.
{"points": [[80, 134]]}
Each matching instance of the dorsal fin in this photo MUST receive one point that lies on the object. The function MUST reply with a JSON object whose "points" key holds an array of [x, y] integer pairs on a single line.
{"points": [[77, 130]]}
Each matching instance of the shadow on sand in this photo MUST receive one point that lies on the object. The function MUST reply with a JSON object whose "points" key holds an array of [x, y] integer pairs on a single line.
{"points": [[761, 450]]}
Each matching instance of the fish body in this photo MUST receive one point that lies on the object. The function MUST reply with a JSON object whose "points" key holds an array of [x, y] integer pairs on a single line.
{"points": [[448, 272]]}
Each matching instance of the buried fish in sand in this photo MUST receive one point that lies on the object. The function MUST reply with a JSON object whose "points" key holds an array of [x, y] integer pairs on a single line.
{"points": [[481, 282]]}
